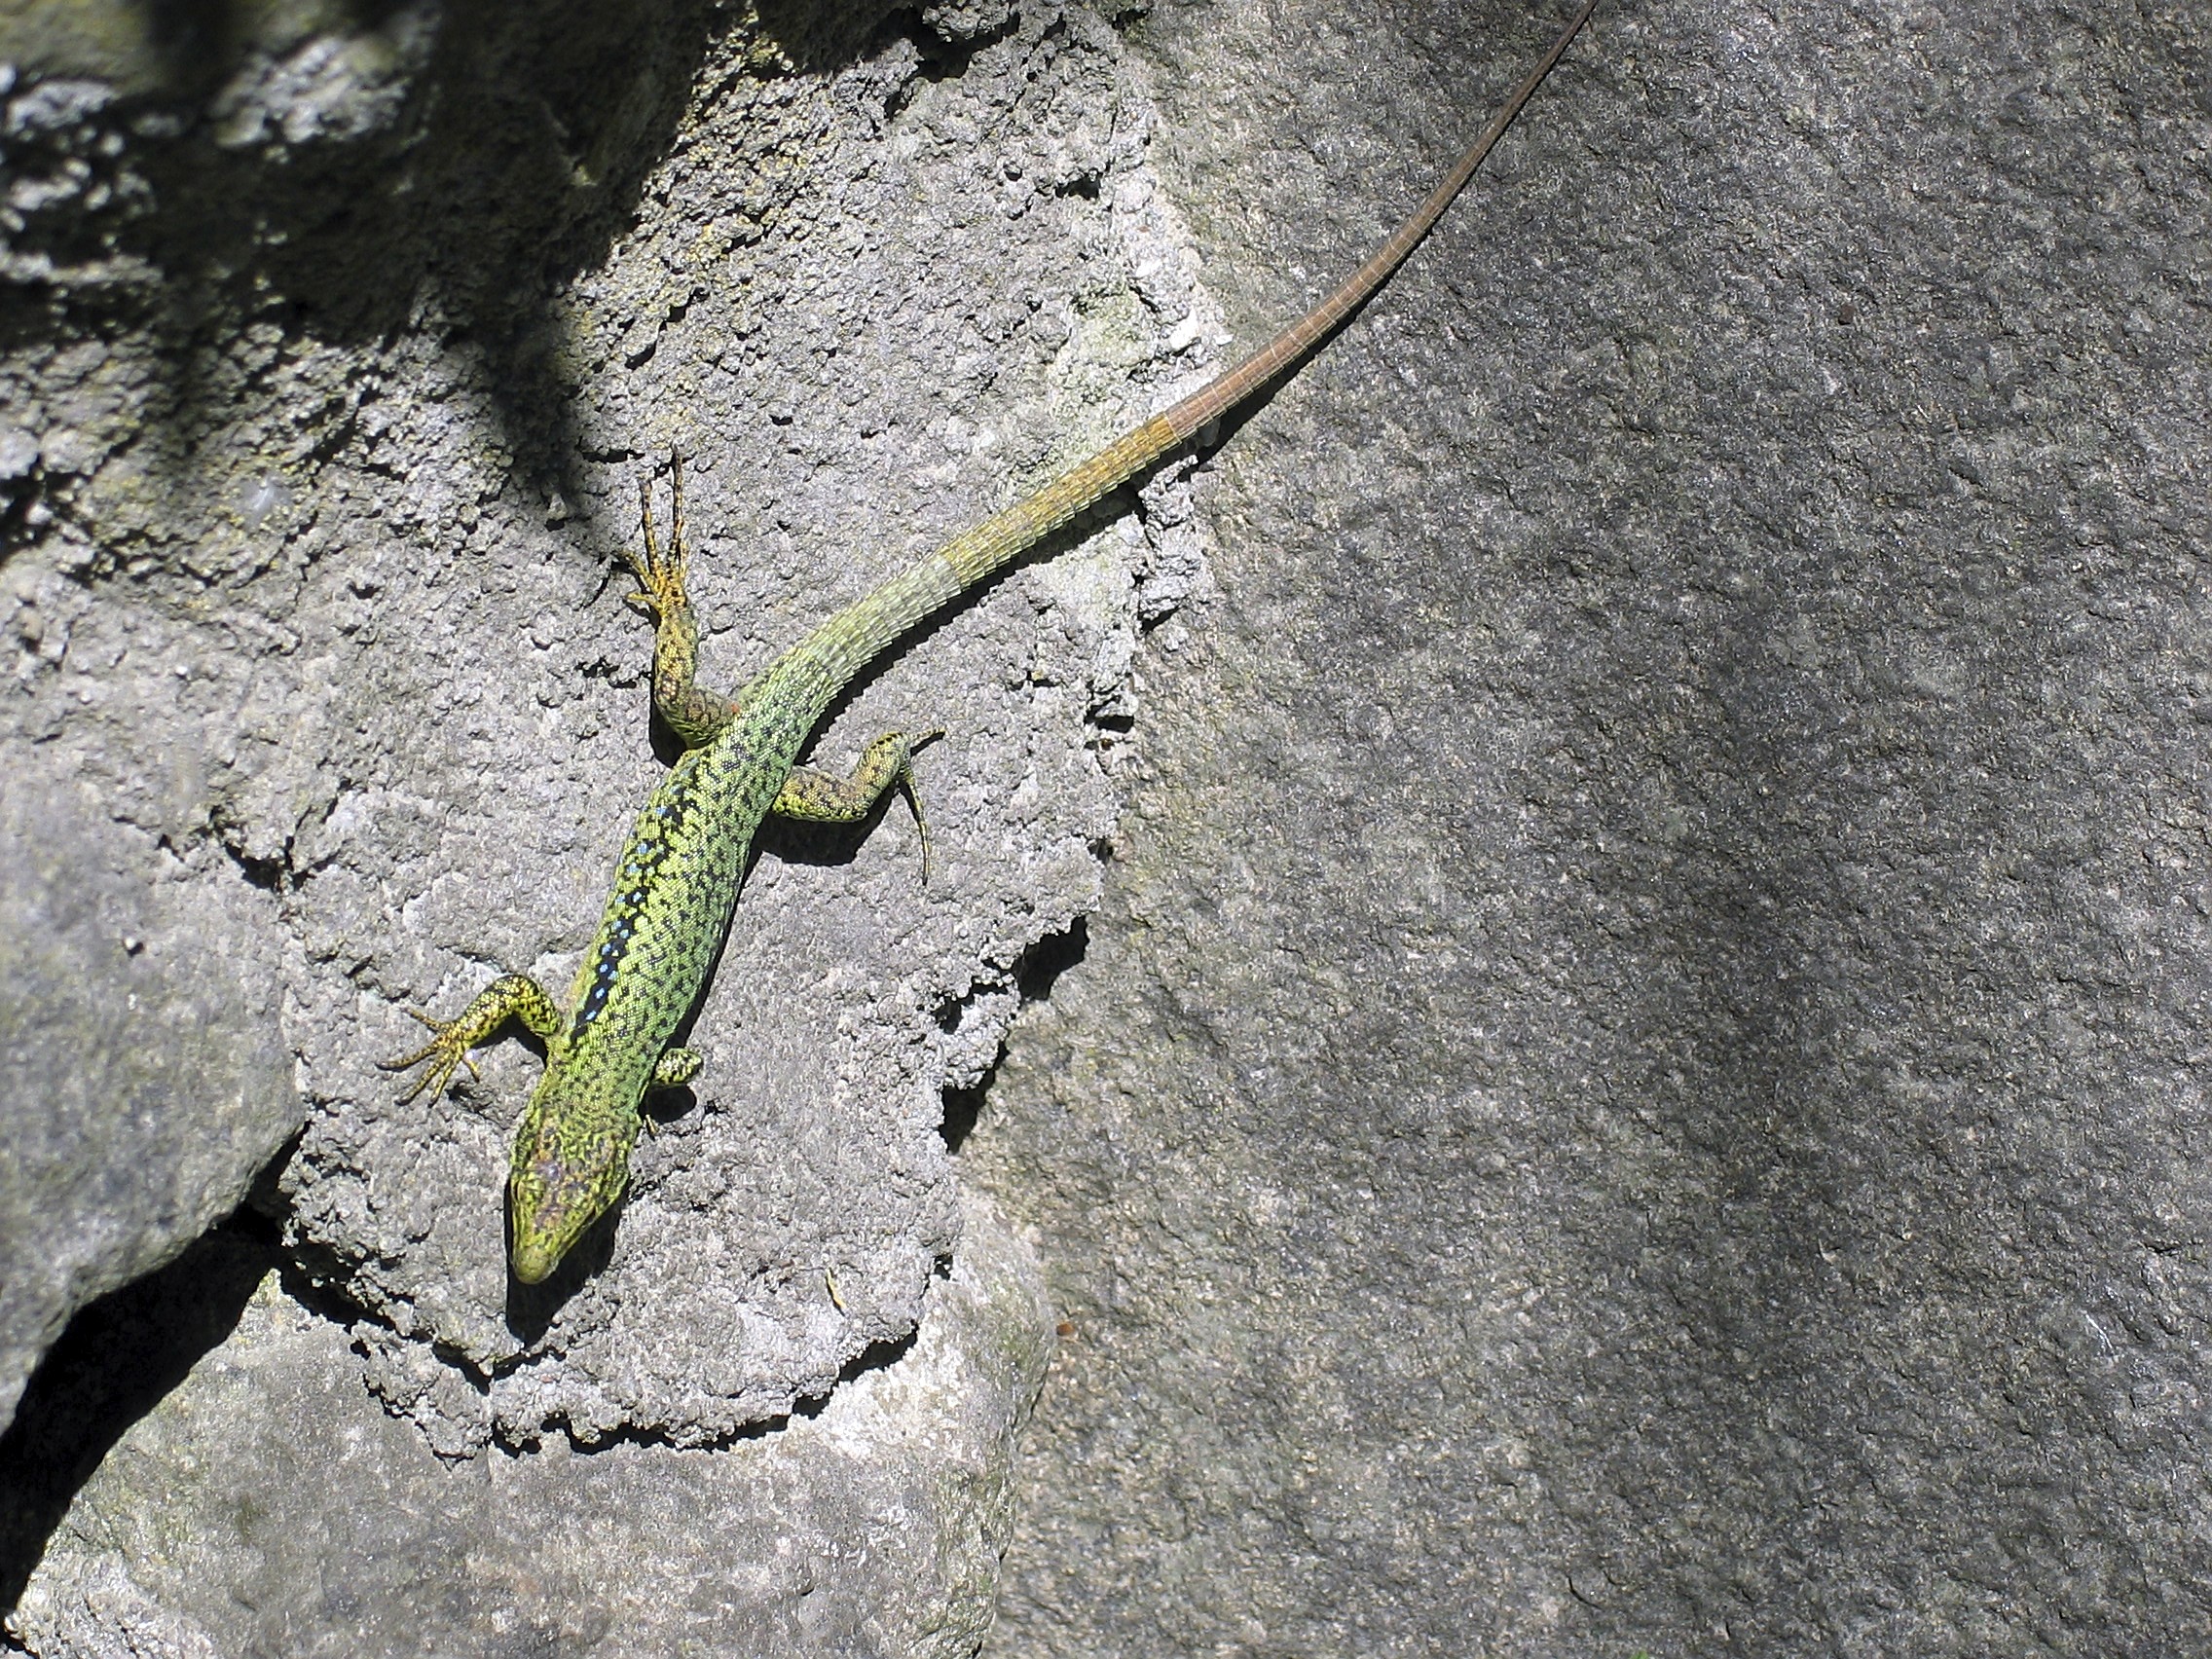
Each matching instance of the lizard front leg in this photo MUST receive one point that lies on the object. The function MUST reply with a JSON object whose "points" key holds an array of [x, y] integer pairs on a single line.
{"points": [[821, 797], [516, 996], [695, 714]]}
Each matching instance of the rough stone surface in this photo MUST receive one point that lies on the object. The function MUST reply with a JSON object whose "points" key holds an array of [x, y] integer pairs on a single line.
{"points": [[269, 1505], [337, 342], [1641, 1085], [108, 1015]]}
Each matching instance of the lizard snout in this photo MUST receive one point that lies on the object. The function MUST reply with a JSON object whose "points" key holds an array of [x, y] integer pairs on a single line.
{"points": [[557, 1190]]}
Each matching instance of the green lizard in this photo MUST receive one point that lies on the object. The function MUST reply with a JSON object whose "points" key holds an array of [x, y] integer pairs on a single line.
{"points": [[677, 884]]}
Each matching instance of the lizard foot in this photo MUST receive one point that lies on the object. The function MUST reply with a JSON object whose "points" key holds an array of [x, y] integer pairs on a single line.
{"points": [[446, 1050], [660, 571], [814, 796]]}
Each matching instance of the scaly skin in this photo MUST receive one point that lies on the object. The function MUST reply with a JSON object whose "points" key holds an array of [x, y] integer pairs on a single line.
{"points": [[676, 883]]}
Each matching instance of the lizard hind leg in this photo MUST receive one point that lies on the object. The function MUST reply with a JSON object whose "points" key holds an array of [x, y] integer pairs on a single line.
{"points": [[515, 996], [693, 713], [888, 763]]}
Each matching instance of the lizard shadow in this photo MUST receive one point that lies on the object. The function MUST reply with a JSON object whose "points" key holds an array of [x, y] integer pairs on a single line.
{"points": [[532, 1307], [798, 838], [829, 846], [1116, 504]]}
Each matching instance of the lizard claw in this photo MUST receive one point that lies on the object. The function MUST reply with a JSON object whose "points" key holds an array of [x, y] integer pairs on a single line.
{"points": [[659, 571], [445, 1050], [913, 791]]}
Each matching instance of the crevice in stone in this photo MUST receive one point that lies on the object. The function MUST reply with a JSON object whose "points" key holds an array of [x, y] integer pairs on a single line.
{"points": [[1035, 974], [944, 57], [115, 1362], [269, 875], [1044, 962], [962, 1107], [878, 1355]]}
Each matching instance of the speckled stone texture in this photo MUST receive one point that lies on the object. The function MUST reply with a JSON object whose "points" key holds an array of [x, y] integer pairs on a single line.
{"points": [[269, 1505], [1639, 1087], [339, 352], [335, 342]]}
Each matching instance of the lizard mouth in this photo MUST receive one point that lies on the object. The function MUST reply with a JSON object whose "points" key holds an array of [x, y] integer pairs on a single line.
{"points": [[536, 1238], [547, 1212], [533, 1260]]}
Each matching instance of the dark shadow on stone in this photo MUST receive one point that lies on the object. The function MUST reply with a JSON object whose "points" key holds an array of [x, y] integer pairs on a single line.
{"points": [[1108, 507], [118, 1359], [513, 161], [666, 1105], [1039, 970], [876, 1356], [197, 41], [818, 36], [200, 42], [962, 1107], [1043, 964], [947, 59]]}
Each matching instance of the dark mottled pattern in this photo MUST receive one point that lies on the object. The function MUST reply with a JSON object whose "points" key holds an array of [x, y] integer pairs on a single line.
{"points": [[678, 879]]}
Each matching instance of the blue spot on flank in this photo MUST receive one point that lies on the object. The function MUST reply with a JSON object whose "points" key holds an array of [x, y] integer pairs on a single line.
{"points": [[650, 847]]}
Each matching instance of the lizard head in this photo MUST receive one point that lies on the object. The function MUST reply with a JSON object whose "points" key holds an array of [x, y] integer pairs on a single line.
{"points": [[571, 1163]]}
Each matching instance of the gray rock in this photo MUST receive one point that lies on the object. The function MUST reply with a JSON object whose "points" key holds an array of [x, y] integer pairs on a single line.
{"points": [[820, 342], [145, 1077], [1640, 1083], [1639, 1079], [312, 581], [338, 346], [269, 1505]]}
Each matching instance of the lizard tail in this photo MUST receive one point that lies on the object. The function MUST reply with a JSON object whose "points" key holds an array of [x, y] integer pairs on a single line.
{"points": [[1287, 350], [843, 645]]}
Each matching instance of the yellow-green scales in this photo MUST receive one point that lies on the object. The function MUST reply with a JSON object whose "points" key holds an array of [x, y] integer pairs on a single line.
{"points": [[677, 880]]}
